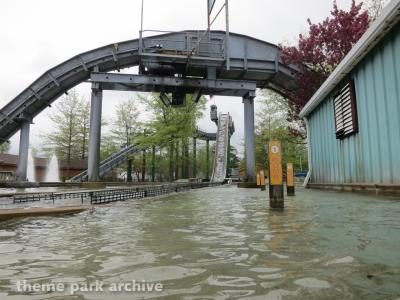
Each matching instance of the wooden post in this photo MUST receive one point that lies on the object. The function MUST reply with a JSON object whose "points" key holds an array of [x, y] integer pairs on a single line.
{"points": [[258, 179], [290, 179], [262, 180], [276, 199]]}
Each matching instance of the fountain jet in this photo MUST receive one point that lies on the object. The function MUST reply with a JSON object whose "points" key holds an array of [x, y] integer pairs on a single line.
{"points": [[31, 176], [52, 174]]}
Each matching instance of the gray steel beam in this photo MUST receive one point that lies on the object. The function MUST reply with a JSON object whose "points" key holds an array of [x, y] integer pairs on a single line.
{"points": [[250, 59], [95, 133], [202, 135], [249, 139], [145, 83], [22, 168]]}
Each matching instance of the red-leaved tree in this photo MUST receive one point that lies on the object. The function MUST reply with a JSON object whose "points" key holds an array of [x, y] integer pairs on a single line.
{"points": [[326, 44]]}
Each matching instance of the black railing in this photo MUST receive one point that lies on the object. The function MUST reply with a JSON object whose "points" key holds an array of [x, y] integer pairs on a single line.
{"points": [[113, 195]]}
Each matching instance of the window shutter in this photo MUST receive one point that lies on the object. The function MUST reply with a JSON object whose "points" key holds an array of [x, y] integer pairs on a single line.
{"points": [[345, 109]]}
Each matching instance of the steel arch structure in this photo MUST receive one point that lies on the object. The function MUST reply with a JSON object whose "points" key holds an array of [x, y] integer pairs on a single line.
{"points": [[250, 60], [177, 63]]}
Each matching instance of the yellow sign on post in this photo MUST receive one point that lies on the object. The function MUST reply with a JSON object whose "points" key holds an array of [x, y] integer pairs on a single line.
{"points": [[275, 163], [275, 175], [289, 174]]}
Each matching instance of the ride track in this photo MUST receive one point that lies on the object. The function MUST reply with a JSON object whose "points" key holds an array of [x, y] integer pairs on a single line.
{"points": [[186, 62], [250, 60]]}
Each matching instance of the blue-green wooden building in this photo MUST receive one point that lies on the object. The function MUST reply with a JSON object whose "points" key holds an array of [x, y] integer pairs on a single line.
{"points": [[353, 120]]}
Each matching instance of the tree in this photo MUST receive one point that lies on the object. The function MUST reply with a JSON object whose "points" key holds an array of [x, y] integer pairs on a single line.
{"points": [[272, 124], [202, 158], [83, 127], [375, 8], [170, 125], [235, 160], [108, 146], [322, 50], [4, 148], [125, 125], [69, 119]]}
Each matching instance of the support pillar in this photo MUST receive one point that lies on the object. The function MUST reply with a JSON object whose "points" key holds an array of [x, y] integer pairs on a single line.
{"points": [[183, 160], [194, 158], [153, 164], [187, 162], [144, 166], [177, 160], [171, 162], [129, 171], [208, 159], [22, 168], [249, 139], [228, 159], [95, 133]]}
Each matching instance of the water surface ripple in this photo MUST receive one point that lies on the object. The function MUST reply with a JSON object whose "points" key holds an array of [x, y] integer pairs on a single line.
{"points": [[214, 243]]}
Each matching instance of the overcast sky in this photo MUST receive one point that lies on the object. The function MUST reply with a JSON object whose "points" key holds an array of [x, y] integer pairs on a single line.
{"points": [[37, 35]]}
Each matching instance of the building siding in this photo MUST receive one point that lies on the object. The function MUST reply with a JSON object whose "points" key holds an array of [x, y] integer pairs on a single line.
{"points": [[373, 154]]}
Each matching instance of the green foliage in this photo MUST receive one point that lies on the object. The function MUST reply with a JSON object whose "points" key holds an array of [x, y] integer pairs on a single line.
{"points": [[202, 159], [83, 127], [169, 127], [170, 124], [272, 124], [235, 159], [70, 128], [4, 148], [108, 146], [125, 125], [166, 129]]}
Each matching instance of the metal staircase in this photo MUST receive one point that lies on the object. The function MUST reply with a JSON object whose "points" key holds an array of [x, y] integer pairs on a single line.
{"points": [[109, 163], [221, 148]]}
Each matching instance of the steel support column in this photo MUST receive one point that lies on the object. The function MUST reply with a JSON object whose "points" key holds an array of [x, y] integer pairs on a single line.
{"points": [[153, 164], [129, 171], [177, 160], [95, 133], [208, 159], [144, 166], [228, 159], [194, 157], [183, 159], [187, 158], [249, 137], [22, 168]]}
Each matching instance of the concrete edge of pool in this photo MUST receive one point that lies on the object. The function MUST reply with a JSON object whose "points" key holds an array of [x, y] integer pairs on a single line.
{"points": [[11, 213]]}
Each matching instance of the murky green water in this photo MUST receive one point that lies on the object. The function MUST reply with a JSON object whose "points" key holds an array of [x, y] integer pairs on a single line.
{"points": [[219, 243]]}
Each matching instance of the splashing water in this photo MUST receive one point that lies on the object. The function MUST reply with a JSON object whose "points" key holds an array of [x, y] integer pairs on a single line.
{"points": [[52, 174], [31, 167]]}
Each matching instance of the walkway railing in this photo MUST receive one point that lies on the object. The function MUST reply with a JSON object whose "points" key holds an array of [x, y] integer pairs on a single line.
{"points": [[112, 195], [111, 162]]}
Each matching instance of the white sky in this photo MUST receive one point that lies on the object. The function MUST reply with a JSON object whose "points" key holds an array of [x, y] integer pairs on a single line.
{"points": [[37, 35]]}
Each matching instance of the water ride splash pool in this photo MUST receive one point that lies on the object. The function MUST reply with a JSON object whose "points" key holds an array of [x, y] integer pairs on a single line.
{"points": [[213, 243]]}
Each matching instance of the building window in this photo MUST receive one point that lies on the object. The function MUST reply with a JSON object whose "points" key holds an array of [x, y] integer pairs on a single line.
{"points": [[345, 108]]}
